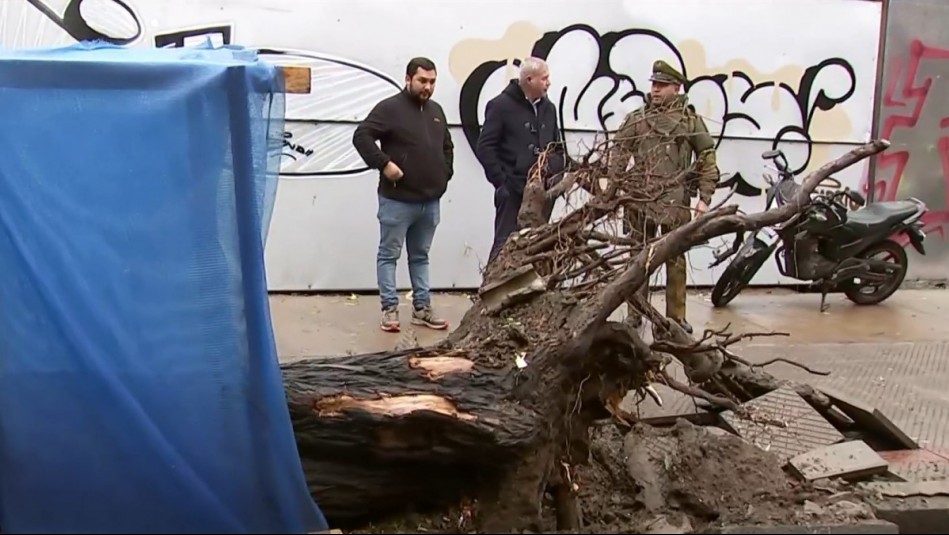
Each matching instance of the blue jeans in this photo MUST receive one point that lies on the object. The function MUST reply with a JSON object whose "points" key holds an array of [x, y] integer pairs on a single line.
{"points": [[413, 224]]}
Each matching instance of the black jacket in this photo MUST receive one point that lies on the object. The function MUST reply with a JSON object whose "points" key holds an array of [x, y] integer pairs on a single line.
{"points": [[512, 137], [416, 138]]}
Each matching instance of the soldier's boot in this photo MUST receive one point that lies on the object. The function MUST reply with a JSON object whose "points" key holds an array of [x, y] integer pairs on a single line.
{"points": [[633, 319], [675, 292]]}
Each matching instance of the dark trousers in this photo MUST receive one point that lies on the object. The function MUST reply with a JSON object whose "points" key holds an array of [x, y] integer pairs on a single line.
{"points": [[506, 208], [649, 227]]}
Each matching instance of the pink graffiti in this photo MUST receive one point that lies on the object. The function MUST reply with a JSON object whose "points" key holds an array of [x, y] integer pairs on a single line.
{"points": [[917, 91]]}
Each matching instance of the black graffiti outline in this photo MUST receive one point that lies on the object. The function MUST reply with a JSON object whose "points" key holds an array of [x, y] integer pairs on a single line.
{"points": [[73, 22], [473, 87], [342, 62]]}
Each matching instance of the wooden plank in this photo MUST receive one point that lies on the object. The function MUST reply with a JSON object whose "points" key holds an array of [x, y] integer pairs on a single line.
{"points": [[297, 79], [847, 460]]}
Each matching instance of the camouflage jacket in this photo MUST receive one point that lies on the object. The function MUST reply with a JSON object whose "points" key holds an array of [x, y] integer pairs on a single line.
{"points": [[664, 141]]}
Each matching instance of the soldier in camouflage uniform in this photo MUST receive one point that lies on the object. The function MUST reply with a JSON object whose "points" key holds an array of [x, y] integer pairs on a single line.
{"points": [[673, 159]]}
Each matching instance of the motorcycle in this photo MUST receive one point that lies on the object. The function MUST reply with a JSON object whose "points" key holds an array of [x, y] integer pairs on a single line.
{"points": [[828, 243]]}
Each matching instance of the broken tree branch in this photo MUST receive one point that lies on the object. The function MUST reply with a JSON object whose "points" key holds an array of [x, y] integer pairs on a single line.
{"points": [[701, 229]]}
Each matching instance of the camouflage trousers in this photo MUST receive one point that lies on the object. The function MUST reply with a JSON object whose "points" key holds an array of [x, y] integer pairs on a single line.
{"points": [[640, 225]]}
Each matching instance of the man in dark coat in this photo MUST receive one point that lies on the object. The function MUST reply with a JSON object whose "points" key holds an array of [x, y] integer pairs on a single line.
{"points": [[519, 124]]}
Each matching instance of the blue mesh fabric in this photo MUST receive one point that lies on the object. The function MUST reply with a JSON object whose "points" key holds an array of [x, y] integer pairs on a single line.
{"points": [[139, 384]]}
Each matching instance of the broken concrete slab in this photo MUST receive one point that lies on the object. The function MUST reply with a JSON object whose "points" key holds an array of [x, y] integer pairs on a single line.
{"points": [[869, 417], [917, 465], [518, 287], [915, 514], [847, 460], [783, 423], [868, 527], [904, 489], [675, 405]]}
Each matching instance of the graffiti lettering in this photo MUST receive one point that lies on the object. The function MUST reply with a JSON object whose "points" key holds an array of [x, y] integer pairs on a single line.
{"points": [[123, 25], [293, 147], [914, 93], [616, 82]]}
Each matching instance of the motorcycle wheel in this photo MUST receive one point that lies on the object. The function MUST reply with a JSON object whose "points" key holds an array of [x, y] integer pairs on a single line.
{"points": [[738, 274], [881, 292]]}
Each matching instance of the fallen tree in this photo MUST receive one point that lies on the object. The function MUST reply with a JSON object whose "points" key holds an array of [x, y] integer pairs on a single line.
{"points": [[499, 414]]}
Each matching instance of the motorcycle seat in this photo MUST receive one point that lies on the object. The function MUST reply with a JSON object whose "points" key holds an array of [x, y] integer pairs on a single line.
{"points": [[881, 213]]}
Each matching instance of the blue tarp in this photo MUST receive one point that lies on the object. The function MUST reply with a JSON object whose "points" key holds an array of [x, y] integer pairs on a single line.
{"points": [[139, 384]]}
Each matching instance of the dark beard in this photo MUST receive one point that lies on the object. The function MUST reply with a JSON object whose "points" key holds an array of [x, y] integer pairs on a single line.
{"points": [[417, 96]]}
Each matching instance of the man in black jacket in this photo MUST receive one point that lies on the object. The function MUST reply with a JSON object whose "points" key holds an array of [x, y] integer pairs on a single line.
{"points": [[415, 163], [519, 124]]}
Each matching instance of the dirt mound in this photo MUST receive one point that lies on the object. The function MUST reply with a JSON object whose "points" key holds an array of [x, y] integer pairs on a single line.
{"points": [[694, 478], [681, 479]]}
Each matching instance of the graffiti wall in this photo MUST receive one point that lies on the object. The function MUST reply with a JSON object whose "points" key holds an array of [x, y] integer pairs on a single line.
{"points": [[763, 73], [914, 116]]}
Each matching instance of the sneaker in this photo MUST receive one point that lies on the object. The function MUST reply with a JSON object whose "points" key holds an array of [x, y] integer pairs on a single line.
{"points": [[425, 316], [390, 320]]}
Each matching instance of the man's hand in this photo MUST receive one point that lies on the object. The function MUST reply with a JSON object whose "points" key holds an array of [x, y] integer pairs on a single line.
{"points": [[701, 207], [392, 171]]}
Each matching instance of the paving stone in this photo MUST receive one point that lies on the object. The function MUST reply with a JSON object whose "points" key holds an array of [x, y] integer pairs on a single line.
{"points": [[869, 417], [916, 514], [905, 380], [675, 404], [906, 489], [783, 423], [868, 526], [917, 465], [847, 460]]}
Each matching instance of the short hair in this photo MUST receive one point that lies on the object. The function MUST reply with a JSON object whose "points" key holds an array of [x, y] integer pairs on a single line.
{"points": [[531, 66], [419, 63]]}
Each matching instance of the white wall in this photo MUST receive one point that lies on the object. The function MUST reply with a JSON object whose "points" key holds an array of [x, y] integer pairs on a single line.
{"points": [[769, 68]]}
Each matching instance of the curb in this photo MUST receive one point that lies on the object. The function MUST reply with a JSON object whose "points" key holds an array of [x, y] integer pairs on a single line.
{"points": [[865, 527]]}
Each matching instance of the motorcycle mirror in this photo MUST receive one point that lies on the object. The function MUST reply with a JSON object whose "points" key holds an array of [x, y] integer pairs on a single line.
{"points": [[857, 198], [784, 163]]}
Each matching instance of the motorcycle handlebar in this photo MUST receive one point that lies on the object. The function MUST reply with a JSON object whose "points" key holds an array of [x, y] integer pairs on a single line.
{"points": [[854, 196]]}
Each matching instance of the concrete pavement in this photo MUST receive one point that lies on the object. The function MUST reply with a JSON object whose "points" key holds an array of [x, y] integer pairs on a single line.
{"points": [[340, 324]]}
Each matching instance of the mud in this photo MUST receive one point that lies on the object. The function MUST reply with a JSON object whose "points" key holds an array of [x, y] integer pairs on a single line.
{"points": [[514, 331], [682, 479]]}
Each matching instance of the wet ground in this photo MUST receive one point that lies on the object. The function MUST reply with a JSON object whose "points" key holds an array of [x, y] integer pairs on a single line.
{"points": [[894, 356], [339, 324]]}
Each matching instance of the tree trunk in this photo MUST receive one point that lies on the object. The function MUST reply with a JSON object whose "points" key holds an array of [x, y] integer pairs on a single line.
{"points": [[395, 432]]}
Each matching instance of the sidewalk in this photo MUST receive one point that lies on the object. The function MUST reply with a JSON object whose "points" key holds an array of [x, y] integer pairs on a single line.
{"points": [[340, 324]]}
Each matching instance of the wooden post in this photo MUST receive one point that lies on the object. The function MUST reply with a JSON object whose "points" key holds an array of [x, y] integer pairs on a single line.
{"points": [[297, 79]]}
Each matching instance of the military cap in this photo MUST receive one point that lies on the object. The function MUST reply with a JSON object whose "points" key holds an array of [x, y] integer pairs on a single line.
{"points": [[664, 73]]}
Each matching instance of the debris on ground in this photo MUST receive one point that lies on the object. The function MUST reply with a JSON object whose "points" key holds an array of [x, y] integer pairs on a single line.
{"points": [[741, 471]]}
